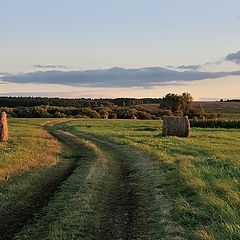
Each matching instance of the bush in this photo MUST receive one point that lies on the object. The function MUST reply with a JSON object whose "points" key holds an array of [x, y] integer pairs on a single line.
{"points": [[143, 115], [112, 115], [163, 113], [59, 115], [91, 113], [215, 123], [178, 113], [211, 115], [198, 112], [126, 113]]}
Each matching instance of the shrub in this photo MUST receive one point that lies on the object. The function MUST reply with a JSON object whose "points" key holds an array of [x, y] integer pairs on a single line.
{"points": [[143, 115], [198, 112], [211, 115], [112, 115], [126, 113], [178, 113], [165, 113], [215, 123], [60, 115], [91, 113]]}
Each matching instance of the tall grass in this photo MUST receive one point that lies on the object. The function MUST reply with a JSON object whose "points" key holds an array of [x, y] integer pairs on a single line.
{"points": [[201, 173]]}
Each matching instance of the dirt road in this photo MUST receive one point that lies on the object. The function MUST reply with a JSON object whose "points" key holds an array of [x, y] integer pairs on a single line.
{"points": [[123, 211]]}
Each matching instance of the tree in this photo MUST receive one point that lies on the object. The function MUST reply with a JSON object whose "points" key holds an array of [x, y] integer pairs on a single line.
{"points": [[186, 101], [198, 112], [175, 102], [171, 102]]}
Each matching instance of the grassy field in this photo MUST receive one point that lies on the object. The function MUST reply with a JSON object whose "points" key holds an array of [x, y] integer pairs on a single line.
{"points": [[229, 110], [29, 164], [29, 147], [201, 172], [223, 107], [154, 187]]}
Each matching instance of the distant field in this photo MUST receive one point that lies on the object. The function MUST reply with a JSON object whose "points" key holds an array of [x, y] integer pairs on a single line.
{"points": [[223, 107], [112, 179], [230, 110]]}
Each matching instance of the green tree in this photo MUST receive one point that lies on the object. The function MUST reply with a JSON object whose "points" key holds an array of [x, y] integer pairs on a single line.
{"points": [[186, 101], [171, 102], [198, 112], [175, 102]]}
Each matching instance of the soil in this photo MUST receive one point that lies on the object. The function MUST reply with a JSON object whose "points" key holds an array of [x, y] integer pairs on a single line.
{"points": [[120, 218]]}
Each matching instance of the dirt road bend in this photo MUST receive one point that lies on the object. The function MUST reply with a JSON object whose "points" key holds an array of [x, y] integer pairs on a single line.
{"points": [[107, 194], [121, 216], [129, 211]]}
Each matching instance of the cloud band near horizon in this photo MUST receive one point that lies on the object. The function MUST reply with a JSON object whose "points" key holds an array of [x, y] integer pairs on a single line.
{"points": [[116, 77]]}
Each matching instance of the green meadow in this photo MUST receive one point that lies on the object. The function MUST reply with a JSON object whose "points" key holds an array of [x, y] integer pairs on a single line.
{"points": [[100, 170]]}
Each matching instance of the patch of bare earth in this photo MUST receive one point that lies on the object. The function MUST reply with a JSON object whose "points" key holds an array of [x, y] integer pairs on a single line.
{"points": [[120, 219]]}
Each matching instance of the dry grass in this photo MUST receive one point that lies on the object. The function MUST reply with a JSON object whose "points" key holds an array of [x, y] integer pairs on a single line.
{"points": [[29, 147]]}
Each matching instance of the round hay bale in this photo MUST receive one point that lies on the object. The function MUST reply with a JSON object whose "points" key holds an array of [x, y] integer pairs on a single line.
{"points": [[3, 127], [176, 126]]}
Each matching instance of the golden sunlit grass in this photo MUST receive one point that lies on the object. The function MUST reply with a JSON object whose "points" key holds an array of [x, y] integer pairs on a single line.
{"points": [[29, 146]]}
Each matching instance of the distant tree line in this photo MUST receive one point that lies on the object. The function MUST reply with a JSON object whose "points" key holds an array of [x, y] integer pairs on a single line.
{"points": [[106, 112], [39, 101], [76, 102], [121, 108]]}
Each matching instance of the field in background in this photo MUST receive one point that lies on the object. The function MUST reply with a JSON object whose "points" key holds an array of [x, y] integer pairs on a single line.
{"points": [[222, 107], [230, 110], [188, 187]]}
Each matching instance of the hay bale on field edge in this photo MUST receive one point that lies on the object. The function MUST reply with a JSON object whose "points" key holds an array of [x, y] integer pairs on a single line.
{"points": [[176, 126], [3, 127]]}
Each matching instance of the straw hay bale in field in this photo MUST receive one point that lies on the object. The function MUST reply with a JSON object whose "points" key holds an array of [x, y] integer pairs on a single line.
{"points": [[3, 127], [176, 126]]}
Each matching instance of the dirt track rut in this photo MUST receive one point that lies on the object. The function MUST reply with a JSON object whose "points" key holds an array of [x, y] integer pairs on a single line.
{"points": [[120, 217]]}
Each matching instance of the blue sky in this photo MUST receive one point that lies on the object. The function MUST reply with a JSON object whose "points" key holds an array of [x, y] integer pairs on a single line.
{"points": [[66, 37]]}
